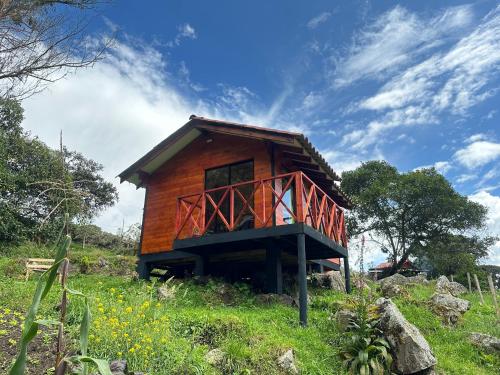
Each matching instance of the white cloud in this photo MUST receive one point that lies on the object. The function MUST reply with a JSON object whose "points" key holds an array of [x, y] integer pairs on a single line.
{"points": [[112, 113], [478, 153], [476, 137], [394, 40], [465, 177], [184, 31], [318, 20], [452, 81], [492, 202]]}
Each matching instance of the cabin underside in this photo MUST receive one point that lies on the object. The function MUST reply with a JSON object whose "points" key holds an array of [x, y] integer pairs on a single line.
{"points": [[262, 254]]}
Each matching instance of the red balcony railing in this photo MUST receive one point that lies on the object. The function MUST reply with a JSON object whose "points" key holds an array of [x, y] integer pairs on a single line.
{"points": [[260, 203]]}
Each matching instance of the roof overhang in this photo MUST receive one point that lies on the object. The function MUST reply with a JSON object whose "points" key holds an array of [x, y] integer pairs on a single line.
{"points": [[138, 172]]}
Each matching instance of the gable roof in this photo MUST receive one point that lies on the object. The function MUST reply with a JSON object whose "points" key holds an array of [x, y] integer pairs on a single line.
{"points": [[292, 142]]}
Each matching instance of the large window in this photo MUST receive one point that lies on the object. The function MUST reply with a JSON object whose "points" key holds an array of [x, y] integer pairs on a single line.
{"points": [[224, 176]]}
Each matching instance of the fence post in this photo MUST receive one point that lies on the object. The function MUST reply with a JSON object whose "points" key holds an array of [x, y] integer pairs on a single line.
{"points": [[451, 276], [479, 289], [494, 294], [469, 282], [298, 197]]}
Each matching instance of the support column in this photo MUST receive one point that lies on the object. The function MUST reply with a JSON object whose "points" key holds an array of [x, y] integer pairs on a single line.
{"points": [[199, 266], [301, 254], [274, 275], [347, 274], [143, 269]]}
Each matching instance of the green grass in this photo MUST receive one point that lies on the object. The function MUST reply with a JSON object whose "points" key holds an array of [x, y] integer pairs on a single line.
{"points": [[172, 337]]}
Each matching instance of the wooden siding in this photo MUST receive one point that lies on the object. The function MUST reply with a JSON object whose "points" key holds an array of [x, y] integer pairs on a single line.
{"points": [[185, 174]]}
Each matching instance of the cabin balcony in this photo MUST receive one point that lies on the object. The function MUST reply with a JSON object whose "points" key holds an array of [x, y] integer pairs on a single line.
{"points": [[277, 207]]}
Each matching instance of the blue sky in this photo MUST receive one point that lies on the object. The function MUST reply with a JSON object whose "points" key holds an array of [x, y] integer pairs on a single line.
{"points": [[414, 83]]}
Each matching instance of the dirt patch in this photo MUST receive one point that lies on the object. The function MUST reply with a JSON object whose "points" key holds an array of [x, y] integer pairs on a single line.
{"points": [[41, 351]]}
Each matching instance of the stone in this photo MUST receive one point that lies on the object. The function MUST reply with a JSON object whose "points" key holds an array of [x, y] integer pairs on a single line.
{"points": [[287, 362], [166, 293], [102, 263], [392, 290], [119, 367], [270, 298], [215, 357], [443, 286], [411, 352], [419, 279], [450, 308], [344, 317], [396, 279], [489, 344], [330, 280], [296, 300]]}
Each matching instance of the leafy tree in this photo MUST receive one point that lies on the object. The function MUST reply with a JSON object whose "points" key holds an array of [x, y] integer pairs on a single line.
{"points": [[410, 212], [37, 183]]}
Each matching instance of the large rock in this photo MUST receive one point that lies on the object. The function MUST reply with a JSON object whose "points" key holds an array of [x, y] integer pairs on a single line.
{"points": [[411, 352], [391, 290], [331, 280], [344, 317], [488, 344], [396, 279], [450, 308], [166, 293], [215, 357], [443, 286], [419, 279], [287, 362], [119, 367]]}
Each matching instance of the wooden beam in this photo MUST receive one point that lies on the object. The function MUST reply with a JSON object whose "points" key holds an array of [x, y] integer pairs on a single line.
{"points": [[296, 156], [303, 164]]}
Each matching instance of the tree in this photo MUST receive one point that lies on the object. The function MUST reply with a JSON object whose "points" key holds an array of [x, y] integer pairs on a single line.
{"points": [[41, 41], [37, 183], [409, 212]]}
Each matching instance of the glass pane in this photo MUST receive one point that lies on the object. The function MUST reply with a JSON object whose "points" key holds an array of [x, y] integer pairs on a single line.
{"points": [[241, 172], [217, 177]]}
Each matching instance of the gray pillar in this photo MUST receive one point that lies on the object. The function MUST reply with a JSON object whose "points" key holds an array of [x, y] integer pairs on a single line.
{"points": [[347, 274], [301, 250], [274, 275], [199, 266], [143, 269]]}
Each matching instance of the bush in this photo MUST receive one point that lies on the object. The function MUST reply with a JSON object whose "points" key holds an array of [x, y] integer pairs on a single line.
{"points": [[365, 350]]}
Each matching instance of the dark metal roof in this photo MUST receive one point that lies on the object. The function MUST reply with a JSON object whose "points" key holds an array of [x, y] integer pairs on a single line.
{"points": [[195, 121]]}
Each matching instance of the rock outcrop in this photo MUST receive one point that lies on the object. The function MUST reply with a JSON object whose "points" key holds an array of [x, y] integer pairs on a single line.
{"points": [[396, 279], [330, 280], [450, 308], [215, 357], [343, 317], [411, 352], [287, 362], [489, 344], [391, 290], [443, 286], [270, 298]]}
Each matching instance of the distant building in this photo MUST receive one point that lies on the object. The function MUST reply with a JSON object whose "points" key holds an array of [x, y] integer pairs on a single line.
{"points": [[382, 270]]}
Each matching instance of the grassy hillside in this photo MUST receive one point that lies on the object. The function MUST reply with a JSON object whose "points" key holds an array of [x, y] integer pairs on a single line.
{"points": [[172, 336]]}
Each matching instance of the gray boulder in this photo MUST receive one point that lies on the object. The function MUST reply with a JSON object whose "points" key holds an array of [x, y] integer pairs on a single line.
{"points": [[419, 279], [450, 308], [330, 280], [411, 352], [396, 279], [166, 293], [118, 367], [287, 362], [215, 357], [443, 286], [489, 344], [391, 290], [343, 317]]}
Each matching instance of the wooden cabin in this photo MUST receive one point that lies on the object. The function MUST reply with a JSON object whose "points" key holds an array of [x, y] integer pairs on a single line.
{"points": [[229, 199]]}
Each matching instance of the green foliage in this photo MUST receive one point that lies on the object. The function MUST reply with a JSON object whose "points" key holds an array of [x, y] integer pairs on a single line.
{"points": [[411, 211], [36, 185], [364, 350]]}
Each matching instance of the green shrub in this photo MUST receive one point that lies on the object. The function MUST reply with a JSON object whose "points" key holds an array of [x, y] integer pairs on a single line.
{"points": [[365, 351]]}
